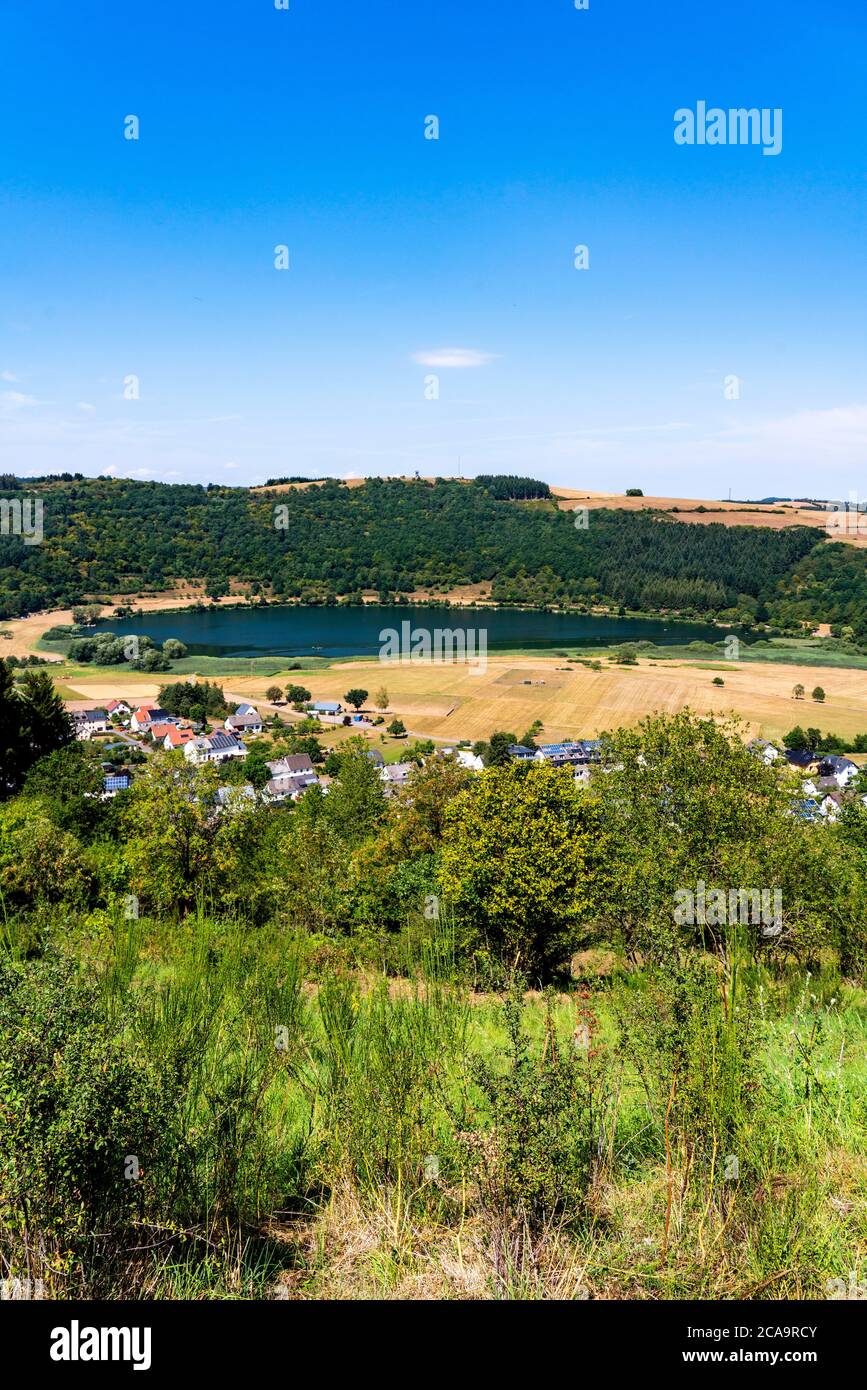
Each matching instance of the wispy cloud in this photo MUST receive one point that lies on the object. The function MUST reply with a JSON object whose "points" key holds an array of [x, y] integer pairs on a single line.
{"points": [[8, 376], [453, 357], [14, 400]]}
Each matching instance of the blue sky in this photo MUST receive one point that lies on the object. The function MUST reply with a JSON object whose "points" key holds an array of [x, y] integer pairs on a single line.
{"points": [[261, 127]]}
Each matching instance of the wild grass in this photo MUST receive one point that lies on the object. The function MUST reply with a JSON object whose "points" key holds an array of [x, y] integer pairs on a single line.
{"points": [[328, 1132]]}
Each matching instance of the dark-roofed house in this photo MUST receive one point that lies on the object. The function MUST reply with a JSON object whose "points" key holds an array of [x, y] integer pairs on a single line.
{"points": [[520, 753], [842, 770], [292, 765], [217, 747], [800, 757], [562, 754], [244, 723], [763, 749], [88, 722], [288, 787], [142, 718]]}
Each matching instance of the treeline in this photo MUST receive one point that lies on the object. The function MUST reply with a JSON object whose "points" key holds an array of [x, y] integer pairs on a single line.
{"points": [[812, 740], [192, 699], [105, 537], [295, 478], [508, 487]]}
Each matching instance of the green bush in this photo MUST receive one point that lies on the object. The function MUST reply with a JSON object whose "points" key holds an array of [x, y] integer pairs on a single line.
{"points": [[536, 1161]]}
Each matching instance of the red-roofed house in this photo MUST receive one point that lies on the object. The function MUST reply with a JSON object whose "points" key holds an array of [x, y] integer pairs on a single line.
{"points": [[176, 738], [158, 732], [145, 715]]}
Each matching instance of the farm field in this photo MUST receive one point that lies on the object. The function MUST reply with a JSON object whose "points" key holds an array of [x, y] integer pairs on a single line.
{"points": [[703, 511], [448, 702]]}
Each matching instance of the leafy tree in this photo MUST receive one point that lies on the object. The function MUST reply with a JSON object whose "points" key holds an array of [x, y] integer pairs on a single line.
{"points": [[274, 694], [355, 697], [423, 802], [13, 762], [297, 694], [68, 782], [381, 700], [178, 849], [521, 862], [356, 804], [819, 695], [332, 763], [798, 692], [87, 614], [33, 723], [686, 802], [39, 861], [797, 740], [498, 749], [192, 699], [256, 770], [397, 728]]}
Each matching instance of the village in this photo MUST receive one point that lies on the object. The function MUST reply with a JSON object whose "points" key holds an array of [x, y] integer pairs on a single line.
{"points": [[822, 782]]}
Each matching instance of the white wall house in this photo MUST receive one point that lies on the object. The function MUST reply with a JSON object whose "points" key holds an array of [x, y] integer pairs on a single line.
{"points": [[88, 722]]}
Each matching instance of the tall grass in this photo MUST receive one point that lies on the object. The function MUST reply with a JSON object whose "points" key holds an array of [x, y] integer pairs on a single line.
{"points": [[697, 1131]]}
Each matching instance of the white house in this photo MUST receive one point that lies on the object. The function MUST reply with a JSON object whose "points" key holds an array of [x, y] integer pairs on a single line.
{"points": [[470, 760], [293, 765], [762, 749], [142, 718], [841, 769], [288, 787], [395, 774], [214, 748], [244, 723], [88, 722]]}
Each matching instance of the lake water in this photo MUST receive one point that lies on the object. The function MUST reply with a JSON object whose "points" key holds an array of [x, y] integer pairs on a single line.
{"points": [[330, 632]]}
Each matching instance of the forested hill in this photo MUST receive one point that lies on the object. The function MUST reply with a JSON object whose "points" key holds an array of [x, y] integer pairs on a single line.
{"points": [[109, 536]]}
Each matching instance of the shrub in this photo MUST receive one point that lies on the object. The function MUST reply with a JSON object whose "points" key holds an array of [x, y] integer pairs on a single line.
{"points": [[536, 1162]]}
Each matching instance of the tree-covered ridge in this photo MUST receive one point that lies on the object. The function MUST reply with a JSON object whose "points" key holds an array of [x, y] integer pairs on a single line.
{"points": [[510, 487], [106, 536]]}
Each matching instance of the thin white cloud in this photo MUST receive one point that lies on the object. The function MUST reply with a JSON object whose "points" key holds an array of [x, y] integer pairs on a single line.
{"points": [[8, 376], [14, 400], [86, 406], [840, 427], [230, 465], [453, 357]]}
